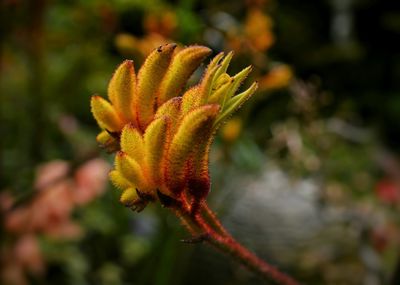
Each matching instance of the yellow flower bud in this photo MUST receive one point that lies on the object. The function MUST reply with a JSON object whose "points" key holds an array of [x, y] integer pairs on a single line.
{"points": [[129, 197], [131, 171], [122, 90], [132, 143], [182, 66], [119, 181], [149, 78], [155, 140], [107, 141], [188, 134], [105, 114]]}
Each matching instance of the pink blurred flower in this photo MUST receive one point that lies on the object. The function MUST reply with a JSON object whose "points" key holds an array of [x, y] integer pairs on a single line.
{"points": [[23, 256], [50, 172], [6, 201], [48, 213], [28, 255], [50, 209], [90, 180]]}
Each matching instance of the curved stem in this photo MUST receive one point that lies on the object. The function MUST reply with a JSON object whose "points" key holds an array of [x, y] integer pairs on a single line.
{"points": [[212, 217], [223, 241], [251, 261]]}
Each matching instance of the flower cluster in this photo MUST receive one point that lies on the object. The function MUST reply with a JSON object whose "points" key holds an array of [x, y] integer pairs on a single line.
{"points": [[162, 135]]}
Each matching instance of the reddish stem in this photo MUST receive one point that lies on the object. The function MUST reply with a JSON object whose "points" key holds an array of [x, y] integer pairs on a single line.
{"points": [[223, 241], [251, 261], [212, 217]]}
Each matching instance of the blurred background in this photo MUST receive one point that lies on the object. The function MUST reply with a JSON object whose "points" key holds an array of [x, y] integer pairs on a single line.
{"points": [[307, 174]]}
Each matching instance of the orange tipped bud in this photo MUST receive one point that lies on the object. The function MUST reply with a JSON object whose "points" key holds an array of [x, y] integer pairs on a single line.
{"points": [[188, 134], [171, 109]]}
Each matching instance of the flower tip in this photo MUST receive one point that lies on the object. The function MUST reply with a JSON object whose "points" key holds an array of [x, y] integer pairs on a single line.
{"points": [[121, 154], [241, 76], [206, 50], [128, 63], [125, 68], [129, 197], [213, 109], [201, 51], [167, 47], [105, 114], [248, 69], [220, 57], [254, 86], [130, 126]]}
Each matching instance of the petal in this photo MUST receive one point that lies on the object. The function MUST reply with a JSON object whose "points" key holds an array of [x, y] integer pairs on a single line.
{"points": [[236, 82], [235, 103], [206, 85], [224, 64], [215, 61], [218, 96]]}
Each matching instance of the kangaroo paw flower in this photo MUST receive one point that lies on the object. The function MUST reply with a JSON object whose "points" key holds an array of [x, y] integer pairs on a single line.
{"points": [[163, 138]]}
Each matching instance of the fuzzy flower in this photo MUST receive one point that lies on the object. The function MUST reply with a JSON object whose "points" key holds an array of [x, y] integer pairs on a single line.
{"points": [[161, 133]]}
